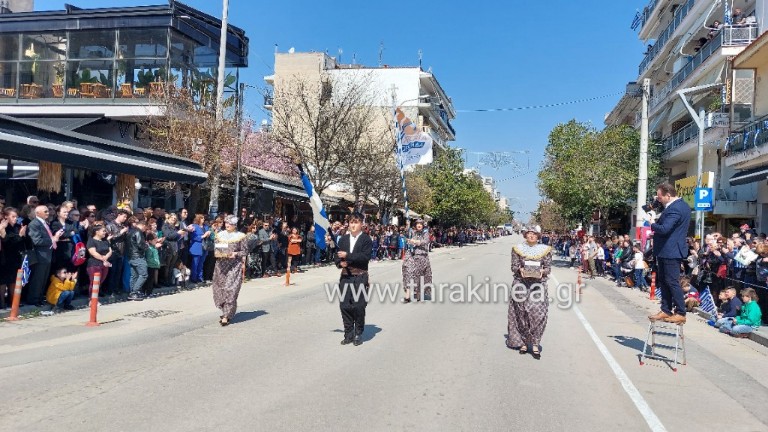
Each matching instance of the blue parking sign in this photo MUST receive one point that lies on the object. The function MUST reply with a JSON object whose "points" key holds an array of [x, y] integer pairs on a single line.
{"points": [[703, 199]]}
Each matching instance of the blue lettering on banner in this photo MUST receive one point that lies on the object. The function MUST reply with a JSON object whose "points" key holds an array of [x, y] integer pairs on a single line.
{"points": [[412, 145]]}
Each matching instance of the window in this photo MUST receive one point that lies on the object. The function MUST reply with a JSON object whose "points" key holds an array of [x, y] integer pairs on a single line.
{"points": [[92, 44], [143, 43], [8, 74], [9, 47]]}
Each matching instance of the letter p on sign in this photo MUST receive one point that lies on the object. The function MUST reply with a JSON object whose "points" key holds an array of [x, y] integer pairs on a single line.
{"points": [[703, 199]]}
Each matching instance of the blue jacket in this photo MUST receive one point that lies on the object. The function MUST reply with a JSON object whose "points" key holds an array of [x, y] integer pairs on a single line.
{"points": [[670, 231], [196, 240]]}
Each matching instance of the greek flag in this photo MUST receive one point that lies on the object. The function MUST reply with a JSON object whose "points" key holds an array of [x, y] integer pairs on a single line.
{"points": [[25, 271], [318, 212], [728, 20], [657, 292], [707, 302]]}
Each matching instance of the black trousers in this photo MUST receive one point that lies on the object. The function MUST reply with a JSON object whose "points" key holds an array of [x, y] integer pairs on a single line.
{"points": [[37, 284], [353, 304], [669, 284], [267, 262]]}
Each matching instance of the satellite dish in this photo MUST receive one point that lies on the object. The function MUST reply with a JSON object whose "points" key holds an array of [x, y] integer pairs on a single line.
{"points": [[264, 122], [291, 50]]}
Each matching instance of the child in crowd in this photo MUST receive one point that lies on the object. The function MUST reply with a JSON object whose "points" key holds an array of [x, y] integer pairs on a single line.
{"points": [[690, 294], [639, 268], [152, 256], [748, 320], [181, 275], [61, 290]]}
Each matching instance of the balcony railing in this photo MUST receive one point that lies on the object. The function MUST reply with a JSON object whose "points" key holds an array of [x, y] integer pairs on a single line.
{"points": [[752, 135], [666, 35], [678, 138], [641, 18], [704, 53], [739, 35], [268, 100]]}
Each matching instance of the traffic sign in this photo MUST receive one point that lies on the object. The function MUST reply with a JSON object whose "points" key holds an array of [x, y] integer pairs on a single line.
{"points": [[703, 199]]}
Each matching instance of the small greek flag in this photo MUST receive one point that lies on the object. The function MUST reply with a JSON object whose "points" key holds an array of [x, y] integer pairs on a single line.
{"points": [[707, 302], [657, 292], [25, 271]]}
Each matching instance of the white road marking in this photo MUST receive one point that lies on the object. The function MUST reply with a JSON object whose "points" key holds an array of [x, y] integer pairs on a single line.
{"points": [[645, 410]]}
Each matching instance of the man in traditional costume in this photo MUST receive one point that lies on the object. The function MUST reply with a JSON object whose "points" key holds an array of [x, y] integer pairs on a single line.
{"points": [[354, 253], [230, 250], [528, 305], [417, 271]]}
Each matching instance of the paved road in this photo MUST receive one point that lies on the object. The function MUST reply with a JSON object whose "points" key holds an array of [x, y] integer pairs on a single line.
{"points": [[438, 366]]}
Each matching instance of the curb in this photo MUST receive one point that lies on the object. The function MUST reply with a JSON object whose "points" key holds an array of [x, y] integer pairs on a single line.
{"points": [[759, 338]]}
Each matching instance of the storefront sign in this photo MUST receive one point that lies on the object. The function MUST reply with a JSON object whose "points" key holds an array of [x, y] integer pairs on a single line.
{"points": [[686, 187]]}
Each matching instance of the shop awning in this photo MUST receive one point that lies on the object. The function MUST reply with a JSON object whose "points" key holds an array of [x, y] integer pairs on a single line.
{"points": [[749, 176], [293, 191], [29, 141]]}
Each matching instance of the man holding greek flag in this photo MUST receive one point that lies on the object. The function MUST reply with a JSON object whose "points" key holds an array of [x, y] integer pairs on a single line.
{"points": [[319, 216]]}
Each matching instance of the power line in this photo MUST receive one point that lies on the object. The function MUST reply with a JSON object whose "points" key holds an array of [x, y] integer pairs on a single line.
{"points": [[541, 106]]}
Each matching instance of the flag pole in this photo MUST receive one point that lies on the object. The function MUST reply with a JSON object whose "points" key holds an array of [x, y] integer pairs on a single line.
{"points": [[399, 132]]}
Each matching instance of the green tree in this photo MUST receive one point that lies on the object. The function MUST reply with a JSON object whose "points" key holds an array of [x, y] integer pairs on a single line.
{"points": [[458, 198], [585, 169]]}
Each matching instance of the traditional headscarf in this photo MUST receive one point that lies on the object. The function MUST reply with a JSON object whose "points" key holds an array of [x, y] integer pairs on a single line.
{"points": [[232, 220]]}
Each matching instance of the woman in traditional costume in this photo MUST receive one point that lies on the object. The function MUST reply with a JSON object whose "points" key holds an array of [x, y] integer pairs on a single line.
{"points": [[230, 250], [417, 271], [528, 304]]}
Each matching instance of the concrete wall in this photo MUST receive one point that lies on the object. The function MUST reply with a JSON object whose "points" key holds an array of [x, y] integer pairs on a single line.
{"points": [[25, 5], [761, 92]]}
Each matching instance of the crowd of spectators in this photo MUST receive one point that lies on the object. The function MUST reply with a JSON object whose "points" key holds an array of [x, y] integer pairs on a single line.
{"points": [[136, 251]]}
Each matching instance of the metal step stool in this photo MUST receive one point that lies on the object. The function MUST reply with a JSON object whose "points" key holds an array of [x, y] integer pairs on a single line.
{"points": [[664, 330]]}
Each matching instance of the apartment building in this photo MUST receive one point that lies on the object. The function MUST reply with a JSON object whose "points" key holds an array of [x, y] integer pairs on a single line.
{"points": [[689, 44], [418, 92]]}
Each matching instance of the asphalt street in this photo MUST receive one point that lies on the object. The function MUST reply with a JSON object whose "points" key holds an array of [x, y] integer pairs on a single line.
{"points": [[165, 364]]}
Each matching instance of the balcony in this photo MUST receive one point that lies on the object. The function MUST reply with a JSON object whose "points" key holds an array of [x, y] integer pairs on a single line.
{"points": [[739, 35], [751, 136], [714, 122], [665, 36], [704, 53], [268, 101], [641, 18]]}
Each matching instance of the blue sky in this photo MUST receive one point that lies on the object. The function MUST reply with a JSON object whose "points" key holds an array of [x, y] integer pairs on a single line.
{"points": [[486, 54]]}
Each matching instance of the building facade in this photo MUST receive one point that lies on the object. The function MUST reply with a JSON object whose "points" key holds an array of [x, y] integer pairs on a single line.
{"points": [[688, 45], [89, 75]]}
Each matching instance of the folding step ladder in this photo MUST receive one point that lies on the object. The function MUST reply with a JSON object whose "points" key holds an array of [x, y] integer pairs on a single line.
{"points": [[665, 330]]}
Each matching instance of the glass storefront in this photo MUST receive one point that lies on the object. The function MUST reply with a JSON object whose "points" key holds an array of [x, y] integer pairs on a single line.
{"points": [[102, 64]]}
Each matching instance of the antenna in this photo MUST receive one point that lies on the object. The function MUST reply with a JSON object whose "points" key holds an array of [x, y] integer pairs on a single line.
{"points": [[381, 53], [421, 54], [354, 58], [341, 51], [275, 48]]}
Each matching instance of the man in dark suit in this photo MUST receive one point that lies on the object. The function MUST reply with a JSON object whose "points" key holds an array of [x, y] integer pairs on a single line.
{"points": [[44, 241], [354, 252], [670, 248]]}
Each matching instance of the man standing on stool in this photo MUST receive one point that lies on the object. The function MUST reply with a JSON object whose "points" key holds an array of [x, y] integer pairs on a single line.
{"points": [[669, 247], [354, 252]]}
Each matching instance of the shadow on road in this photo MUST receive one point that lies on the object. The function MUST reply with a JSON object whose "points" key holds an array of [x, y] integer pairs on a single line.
{"points": [[369, 332], [629, 342], [247, 316]]}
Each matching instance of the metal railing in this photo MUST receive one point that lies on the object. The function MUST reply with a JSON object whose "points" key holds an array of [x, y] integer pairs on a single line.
{"points": [[753, 135], [268, 100], [641, 18], [665, 36], [704, 53], [738, 35], [680, 137]]}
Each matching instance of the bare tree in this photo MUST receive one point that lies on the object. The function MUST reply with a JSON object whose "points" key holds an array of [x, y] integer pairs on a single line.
{"points": [[189, 129], [323, 121]]}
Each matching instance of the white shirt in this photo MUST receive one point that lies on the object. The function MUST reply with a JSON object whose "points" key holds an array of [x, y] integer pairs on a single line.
{"points": [[639, 260], [353, 240], [671, 201]]}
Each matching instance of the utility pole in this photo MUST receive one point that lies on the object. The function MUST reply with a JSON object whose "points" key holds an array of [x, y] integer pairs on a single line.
{"points": [[240, 141], [213, 205], [642, 176], [699, 169]]}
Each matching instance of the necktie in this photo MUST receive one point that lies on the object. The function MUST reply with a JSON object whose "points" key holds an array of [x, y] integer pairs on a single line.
{"points": [[53, 243]]}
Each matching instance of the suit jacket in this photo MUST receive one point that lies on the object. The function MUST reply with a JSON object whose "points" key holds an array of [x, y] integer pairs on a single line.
{"points": [[359, 257], [670, 231], [41, 240]]}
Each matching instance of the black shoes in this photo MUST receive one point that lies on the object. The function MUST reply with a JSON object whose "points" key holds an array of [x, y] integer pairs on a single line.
{"points": [[346, 341], [358, 340]]}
